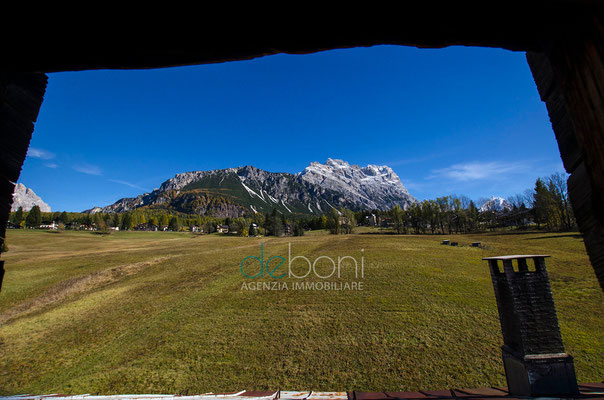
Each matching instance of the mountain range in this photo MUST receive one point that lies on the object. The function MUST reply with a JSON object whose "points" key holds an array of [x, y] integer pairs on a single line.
{"points": [[496, 204], [240, 191]]}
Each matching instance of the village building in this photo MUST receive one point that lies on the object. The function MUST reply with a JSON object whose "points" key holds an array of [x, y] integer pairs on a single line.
{"points": [[371, 220], [46, 225]]}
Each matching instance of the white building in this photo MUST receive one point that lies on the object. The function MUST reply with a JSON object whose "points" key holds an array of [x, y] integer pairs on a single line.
{"points": [[52, 225]]}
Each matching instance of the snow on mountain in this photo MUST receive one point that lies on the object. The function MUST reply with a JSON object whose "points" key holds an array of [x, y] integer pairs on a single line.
{"points": [[26, 198], [496, 203], [234, 192], [370, 187]]}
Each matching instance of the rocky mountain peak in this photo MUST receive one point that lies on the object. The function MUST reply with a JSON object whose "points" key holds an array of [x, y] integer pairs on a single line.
{"points": [[26, 198], [495, 203], [373, 186], [317, 189]]}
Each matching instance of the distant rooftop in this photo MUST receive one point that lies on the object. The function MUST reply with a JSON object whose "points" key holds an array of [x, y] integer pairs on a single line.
{"points": [[591, 391]]}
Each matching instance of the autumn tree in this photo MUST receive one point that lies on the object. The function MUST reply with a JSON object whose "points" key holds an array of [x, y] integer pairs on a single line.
{"points": [[398, 218]]}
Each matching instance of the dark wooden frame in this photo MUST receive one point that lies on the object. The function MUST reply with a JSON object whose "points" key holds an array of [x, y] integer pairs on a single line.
{"points": [[564, 41]]}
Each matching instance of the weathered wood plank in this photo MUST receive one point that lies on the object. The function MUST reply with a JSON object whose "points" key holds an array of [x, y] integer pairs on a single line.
{"points": [[21, 95], [587, 205], [572, 85], [542, 73], [551, 93]]}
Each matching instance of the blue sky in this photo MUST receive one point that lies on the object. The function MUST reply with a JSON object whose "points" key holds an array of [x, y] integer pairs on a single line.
{"points": [[457, 120]]}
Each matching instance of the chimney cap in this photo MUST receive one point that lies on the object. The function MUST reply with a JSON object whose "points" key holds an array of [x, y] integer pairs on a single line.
{"points": [[515, 257]]}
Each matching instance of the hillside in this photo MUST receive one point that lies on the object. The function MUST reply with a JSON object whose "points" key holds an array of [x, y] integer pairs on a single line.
{"points": [[241, 191]]}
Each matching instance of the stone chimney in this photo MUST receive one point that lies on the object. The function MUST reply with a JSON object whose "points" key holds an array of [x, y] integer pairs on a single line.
{"points": [[533, 353]]}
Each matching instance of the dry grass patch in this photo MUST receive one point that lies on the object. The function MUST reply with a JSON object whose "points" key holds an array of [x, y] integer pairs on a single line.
{"points": [[144, 312], [74, 286]]}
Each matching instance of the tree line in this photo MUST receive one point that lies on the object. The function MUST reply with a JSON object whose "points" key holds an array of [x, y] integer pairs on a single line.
{"points": [[547, 206]]}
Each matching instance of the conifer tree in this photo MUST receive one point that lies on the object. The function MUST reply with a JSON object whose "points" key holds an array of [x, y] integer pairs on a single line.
{"points": [[174, 224], [116, 220], [64, 218], [19, 216], [34, 218], [126, 222], [541, 205]]}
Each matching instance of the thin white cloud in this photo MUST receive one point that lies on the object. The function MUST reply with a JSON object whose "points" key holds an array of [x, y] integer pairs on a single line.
{"points": [[86, 168], [51, 165], [477, 170], [132, 185], [39, 153]]}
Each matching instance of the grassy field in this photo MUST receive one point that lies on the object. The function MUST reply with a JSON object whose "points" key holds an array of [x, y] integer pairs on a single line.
{"points": [[147, 312]]}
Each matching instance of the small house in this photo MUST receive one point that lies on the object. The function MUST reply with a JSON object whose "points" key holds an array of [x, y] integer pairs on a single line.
{"points": [[53, 225], [371, 220]]}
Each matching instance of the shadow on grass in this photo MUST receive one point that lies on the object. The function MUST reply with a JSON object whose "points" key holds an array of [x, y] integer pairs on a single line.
{"points": [[380, 233], [453, 234], [492, 233], [515, 233], [403, 234], [572, 235]]}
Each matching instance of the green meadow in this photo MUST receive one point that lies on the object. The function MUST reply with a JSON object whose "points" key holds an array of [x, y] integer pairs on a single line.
{"points": [[161, 312]]}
